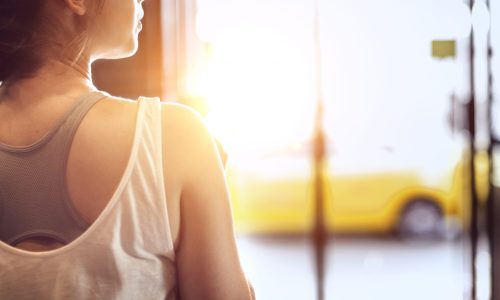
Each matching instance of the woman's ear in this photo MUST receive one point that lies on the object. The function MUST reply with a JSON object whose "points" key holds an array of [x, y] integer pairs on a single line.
{"points": [[79, 7]]}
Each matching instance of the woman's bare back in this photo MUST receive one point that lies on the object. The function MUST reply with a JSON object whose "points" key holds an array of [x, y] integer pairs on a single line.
{"points": [[97, 159]]}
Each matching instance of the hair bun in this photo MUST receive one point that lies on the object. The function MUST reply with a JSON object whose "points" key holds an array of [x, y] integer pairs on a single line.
{"points": [[18, 48]]}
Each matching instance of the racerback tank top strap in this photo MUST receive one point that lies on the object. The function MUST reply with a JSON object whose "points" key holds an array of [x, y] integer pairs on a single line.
{"points": [[34, 198]]}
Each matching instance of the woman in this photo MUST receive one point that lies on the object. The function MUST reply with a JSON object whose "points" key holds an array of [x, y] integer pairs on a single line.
{"points": [[102, 197]]}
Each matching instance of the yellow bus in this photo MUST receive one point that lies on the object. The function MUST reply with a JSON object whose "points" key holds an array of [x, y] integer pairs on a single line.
{"points": [[400, 201]]}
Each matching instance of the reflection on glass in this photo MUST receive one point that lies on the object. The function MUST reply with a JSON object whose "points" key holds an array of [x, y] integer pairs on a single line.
{"points": [[394, 165]]}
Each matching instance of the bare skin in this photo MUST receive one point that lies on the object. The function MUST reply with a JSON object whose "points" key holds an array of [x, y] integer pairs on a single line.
{"points": [[198, 204]]}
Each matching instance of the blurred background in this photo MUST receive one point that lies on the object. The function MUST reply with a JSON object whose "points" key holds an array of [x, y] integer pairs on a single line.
{"points": [[360, 136]]}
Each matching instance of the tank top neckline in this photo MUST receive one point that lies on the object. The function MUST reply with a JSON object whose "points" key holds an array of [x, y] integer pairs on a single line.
{"points": [[107, 209], [51, 132]]}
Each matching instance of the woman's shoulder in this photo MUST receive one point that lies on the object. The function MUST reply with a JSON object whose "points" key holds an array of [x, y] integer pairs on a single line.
{"points": [[180, 113], [182, 127], [112, 103], [174, 115], [187, 141], [183, 120]]}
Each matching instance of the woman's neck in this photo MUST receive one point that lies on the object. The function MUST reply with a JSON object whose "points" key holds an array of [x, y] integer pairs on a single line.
{"points": [[54, 78]]}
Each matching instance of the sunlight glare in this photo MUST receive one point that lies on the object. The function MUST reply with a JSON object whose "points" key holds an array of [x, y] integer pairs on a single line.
{"points": [[259, 80]]}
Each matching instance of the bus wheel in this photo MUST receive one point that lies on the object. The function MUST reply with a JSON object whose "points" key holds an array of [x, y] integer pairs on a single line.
{"points": [[421, 219]]}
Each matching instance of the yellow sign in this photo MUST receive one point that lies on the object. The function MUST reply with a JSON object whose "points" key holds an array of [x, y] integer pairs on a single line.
{"points": [[443, 48]]}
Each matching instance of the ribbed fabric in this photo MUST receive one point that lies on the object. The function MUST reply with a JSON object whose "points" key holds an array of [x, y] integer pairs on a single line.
{"points": [[127, 253], [34, 197]]}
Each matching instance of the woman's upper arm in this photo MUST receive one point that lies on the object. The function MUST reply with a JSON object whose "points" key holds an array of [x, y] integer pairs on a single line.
{"points": [[207, 259]]}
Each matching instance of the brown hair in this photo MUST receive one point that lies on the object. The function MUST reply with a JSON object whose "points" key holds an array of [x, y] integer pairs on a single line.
{"points": [[31, 32]]}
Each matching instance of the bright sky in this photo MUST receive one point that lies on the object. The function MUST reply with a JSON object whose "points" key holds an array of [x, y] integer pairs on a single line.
{"points": [[386, 98]]}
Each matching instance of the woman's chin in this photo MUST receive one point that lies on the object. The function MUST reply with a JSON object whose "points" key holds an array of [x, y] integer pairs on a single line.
{"points": [[132, 47], [132, 50], [124, 52]]}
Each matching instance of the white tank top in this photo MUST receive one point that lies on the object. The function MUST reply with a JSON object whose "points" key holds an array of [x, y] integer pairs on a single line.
{"points": [[127, 253]]}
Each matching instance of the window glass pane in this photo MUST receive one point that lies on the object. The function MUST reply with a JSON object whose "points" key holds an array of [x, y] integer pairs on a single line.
{"points": [[394, 118]]}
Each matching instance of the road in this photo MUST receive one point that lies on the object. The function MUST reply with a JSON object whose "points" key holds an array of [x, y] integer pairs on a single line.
{"points": [[361, 268]]}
